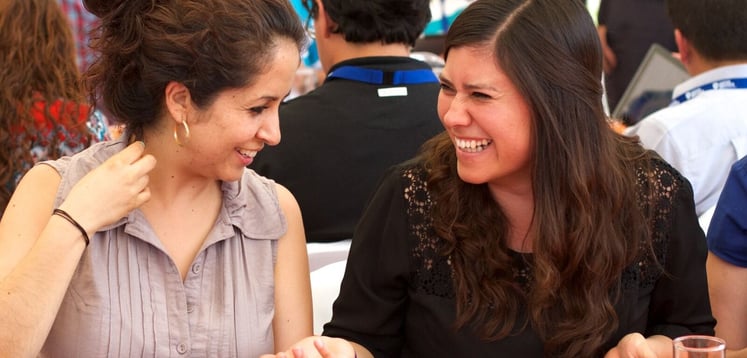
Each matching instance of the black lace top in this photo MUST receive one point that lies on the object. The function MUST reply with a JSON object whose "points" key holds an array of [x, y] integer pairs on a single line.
{"points": [[397, 297]]}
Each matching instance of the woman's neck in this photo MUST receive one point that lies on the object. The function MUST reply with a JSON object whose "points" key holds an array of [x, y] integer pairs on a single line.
{"points": [[172, 179], [518, 207]]}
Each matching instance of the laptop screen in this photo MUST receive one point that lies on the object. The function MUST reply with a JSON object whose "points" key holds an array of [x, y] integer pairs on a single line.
{"points": [[651, 86]]}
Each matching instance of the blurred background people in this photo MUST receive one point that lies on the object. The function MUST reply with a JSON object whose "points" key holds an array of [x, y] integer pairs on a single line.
{"points": [[727, 261], [375, 108], [162, 243], [530, 228], [43, 108], [627, 28], [82, 22], [704, 131]]}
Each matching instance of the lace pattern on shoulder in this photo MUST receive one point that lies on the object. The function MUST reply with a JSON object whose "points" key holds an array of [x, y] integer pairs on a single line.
{"points": [[658, 184], [432, 271]]}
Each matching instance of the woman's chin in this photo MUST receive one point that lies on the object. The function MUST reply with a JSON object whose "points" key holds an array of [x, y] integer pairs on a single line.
{"points": [[470, 177]]}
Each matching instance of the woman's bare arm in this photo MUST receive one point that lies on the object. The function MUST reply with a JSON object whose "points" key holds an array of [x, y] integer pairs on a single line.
{"points": [[40, 251], [293, 312]]}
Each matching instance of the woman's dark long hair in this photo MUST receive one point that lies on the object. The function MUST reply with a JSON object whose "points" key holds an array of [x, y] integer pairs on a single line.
{"points": [[587, 225], [37, 65]]}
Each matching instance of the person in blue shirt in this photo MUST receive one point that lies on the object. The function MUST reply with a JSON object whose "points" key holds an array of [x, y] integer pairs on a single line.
{"points": [[727, 259]]}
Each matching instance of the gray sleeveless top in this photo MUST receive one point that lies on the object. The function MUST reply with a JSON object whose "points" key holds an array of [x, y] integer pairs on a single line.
{"points": [[127, 299]]}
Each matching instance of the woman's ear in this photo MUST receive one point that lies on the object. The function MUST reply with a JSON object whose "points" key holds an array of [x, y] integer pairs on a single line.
{"points": [[178, 100]]}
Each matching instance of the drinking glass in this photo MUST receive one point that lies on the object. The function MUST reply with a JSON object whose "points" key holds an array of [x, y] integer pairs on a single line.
{"points": [[699, 347]]}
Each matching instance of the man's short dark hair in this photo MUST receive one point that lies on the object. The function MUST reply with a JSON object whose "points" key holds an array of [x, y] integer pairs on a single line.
{"points": [[385, 21], [717, 29]]}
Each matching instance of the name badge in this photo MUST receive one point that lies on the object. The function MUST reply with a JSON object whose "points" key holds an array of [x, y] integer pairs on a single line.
{"points": [[393, 92]]}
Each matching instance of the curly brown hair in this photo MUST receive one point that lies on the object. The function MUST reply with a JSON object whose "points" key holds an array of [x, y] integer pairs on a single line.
{"points": [[587, 224], [208, 45], [37, 53]]}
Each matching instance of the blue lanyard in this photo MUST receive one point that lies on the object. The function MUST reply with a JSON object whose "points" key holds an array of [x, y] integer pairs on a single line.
{"points": [[733, 83], [378, 77]]}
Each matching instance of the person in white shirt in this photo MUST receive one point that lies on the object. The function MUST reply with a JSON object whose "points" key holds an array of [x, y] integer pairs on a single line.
{"points": [[704, 131]]}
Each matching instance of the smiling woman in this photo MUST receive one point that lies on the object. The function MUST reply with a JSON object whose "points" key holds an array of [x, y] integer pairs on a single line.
{"points": [[189, 251], [245, 119], [529, 228], [496, 148]]}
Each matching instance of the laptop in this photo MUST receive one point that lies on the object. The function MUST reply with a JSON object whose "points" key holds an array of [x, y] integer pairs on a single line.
{"points": [[651, 87]]}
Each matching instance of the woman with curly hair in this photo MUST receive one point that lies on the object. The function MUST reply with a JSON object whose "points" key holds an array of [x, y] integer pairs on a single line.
{"points": [[161, 243], [43, 109]]}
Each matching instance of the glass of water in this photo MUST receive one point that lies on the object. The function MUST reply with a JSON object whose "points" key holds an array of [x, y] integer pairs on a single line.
{"points": [[699, 347]]}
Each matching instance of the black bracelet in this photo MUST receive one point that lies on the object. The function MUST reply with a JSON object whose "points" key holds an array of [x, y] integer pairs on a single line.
{"points": [[63, 214]]}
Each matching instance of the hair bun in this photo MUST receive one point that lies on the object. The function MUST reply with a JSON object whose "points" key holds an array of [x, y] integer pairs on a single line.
{"points": [[101, 8]]}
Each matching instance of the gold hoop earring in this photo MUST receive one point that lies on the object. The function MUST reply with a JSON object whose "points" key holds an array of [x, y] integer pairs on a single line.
{"points": [[178, 141]]}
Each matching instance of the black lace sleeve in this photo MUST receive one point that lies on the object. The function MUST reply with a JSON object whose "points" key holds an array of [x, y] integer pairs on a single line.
{"points": [[679, 302], [370, 309]]}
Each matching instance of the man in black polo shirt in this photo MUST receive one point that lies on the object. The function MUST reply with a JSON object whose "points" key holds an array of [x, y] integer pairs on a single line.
{"points": [[374, 109]]}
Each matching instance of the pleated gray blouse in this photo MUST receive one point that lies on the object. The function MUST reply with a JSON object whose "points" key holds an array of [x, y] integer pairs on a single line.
{"points": [[127, 298]]}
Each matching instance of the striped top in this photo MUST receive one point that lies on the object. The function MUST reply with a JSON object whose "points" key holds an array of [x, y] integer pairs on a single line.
{"points": [[127, 298]]}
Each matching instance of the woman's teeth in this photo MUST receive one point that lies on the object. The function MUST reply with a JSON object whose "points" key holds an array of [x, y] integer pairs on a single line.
{"points": [[472, 145], [247, 153]]}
